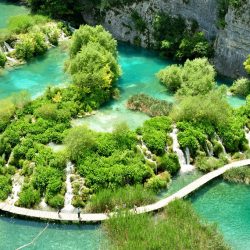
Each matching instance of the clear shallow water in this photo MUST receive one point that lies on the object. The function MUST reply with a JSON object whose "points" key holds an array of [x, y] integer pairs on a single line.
{"points": [[227, 205], [15, 233], [7, 10], [36, 75], [139, 67], [179, 181]]}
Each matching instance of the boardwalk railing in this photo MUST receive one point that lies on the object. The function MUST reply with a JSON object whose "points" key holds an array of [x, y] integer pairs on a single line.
{"points": [[71, 217]]}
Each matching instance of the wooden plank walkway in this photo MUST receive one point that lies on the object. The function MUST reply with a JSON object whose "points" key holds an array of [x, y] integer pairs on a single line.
{"points": [[94, 218]]}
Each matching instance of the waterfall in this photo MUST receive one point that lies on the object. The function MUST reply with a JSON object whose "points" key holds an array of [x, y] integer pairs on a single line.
{"points": [[209, 148], [69, 191], [220, 141], [17, 181], [187, 153], [184, 163], [247, 135], [7, 47]]}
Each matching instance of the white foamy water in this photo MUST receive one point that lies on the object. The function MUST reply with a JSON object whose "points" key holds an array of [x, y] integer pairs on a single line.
{"points": [[69, 190], [17, 182], [184, 163]]}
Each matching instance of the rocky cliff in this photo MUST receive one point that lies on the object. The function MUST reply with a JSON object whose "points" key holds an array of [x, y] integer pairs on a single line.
{"points": [[232, 44]]}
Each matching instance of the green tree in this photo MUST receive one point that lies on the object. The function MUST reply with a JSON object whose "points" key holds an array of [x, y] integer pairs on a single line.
{"points": [[247, 64]]}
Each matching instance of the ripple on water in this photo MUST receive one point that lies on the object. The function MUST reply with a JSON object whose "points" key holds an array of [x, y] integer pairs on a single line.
{"points": [[17, 232], [228, 205]]}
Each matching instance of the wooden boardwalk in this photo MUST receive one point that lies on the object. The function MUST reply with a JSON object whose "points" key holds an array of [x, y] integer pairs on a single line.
{"points": [[94, 218]]}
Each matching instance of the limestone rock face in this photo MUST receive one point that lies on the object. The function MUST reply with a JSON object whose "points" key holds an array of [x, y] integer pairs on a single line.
{"points": [[232, 44]]}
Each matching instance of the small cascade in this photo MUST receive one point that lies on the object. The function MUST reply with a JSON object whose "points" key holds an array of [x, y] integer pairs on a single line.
{"points": [[69, 191], [220, 141], [187, 154], [247, 135], [17, 181], [209, 148], [184, 162], [8, 47], [43, 205], [12, 60]]}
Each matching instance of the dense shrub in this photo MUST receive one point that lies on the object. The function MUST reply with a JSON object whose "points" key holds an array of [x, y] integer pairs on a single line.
{"points": [[207, 164], [247, 64], [23, 23], [179, 40], [238, 175], [120, 169], [5, 187], [93, 64], [196, 77], [241, 87], [158, 182], [154, 133], [28, 197], [179, 226], [169, 162], [126, 197], [3, 59]]}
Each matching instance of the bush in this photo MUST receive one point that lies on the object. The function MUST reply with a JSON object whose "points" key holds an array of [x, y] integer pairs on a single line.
{"points": [[28, 197], [155, 133], [5, 187], [247, 64], [241, 87], [3, 59], [57, 201], [158, 182], [169, 162], [121, 198], [238, 175], [208, 164], [22, 23]]}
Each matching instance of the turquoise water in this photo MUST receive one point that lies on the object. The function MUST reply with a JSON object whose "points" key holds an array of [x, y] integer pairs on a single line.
{"points": [[7, 10], [36, 75], [139, 67], [179, 181], [15, 233], [227, 205]]}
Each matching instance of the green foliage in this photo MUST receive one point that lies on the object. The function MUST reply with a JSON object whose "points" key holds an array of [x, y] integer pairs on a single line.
{"points": [[149, 105], [120, 169], [207, 164], [120, 198], [238, 175], [247, 64], [23, 23], [5, 187], [93, 64], [66, 9], [30, 45], [56, 201], [169, 162], [154, 133], [211, 108], [179, 40], [127, 231], [28, 197], [171, 77], [196, 77], [79, 141], [87, 34], [140, 24], [3, 59], [241, 87], [158, 182]]}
